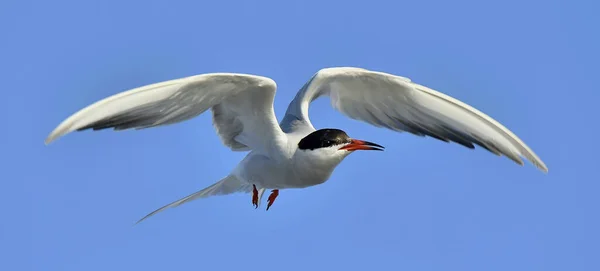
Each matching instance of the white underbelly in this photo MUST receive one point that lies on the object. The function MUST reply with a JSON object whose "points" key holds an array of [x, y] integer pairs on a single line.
{"points": [[292, 183], [286, 170], [264, 173]]}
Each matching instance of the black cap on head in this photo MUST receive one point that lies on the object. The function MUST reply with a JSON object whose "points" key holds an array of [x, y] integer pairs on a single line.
{"points": [[323, 138]]}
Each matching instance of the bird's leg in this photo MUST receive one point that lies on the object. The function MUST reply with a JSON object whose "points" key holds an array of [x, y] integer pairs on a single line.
{"points": [[254, 196], [272, 197]]}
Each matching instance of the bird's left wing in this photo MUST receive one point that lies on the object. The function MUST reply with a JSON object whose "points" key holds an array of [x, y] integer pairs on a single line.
{"points": [[242, 107], [396, 103]]}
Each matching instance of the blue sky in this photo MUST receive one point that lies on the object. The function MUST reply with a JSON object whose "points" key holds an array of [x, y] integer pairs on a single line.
{"points": [[420, 205]]}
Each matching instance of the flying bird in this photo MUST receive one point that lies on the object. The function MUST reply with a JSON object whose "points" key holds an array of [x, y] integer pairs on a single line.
{"points": [[293, 153]]}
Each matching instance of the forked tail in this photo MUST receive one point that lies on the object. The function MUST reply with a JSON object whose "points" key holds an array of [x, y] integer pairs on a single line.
{"points": [[227, 185]]}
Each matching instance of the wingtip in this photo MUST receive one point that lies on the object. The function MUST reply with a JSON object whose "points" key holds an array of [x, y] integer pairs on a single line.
{"points": [[58, 132], [48, 140], [51, 137], [540, 165]]}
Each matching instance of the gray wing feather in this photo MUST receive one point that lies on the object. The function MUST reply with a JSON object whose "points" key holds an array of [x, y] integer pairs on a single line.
{"points": [[396, 103], [242, 107]]}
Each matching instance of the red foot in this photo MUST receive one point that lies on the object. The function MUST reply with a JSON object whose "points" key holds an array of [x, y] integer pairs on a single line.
{"points": [[272, 198], [254, 196]]}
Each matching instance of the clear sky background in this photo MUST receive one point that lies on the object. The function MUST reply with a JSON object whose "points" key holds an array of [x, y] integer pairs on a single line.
{"points": [[420, 205]]}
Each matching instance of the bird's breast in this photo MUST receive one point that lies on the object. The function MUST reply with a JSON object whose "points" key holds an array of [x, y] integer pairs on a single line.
{"points": [[307, 172]]}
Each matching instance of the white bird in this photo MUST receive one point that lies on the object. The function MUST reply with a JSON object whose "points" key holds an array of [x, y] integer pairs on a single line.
{"points": [[292, 153]]}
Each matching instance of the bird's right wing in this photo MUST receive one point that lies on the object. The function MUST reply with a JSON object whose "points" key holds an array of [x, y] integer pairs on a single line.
{"points": [[242, 107]]}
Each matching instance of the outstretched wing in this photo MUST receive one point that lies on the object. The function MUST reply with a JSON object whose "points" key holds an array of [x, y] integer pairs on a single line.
{"points": [[242, 107], [396, 103]]}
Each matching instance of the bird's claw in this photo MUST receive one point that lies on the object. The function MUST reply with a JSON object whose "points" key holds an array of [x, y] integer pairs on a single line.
{"points": [[272, 197], [254, 196]]}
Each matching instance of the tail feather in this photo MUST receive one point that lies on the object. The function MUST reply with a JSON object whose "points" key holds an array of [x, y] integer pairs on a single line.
{"points": [[227, 185]]}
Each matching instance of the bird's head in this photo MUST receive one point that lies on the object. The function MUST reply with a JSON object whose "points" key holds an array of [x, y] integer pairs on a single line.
{"points": [[333, 144]]}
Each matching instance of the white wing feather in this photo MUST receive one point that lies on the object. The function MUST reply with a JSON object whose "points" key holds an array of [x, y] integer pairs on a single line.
{"points": [[396, 103], [242, 107]]}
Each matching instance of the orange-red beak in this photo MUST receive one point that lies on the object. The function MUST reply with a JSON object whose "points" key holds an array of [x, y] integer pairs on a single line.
{"points": [[356, 144]]}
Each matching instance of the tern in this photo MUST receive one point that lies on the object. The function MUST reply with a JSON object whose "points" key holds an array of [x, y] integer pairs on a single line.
{"points": [[292, 153]]}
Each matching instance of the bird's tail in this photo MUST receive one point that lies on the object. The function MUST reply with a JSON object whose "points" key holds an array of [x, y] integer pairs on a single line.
{"points": [[227, 185]]}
